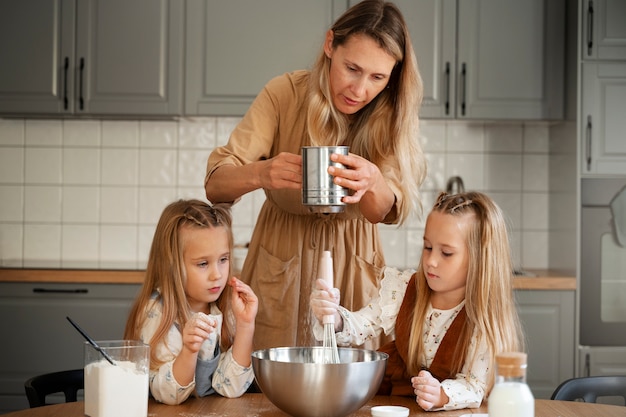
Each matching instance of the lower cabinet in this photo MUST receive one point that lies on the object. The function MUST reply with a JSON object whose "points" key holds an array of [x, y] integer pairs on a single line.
{"points": [[37, 338], [549, 324]]}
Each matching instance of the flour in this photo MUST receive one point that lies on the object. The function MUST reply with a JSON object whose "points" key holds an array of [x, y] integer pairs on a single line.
{"points": [[115, 391]]}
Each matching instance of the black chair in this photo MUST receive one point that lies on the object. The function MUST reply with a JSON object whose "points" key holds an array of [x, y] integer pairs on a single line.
{"points": [[67, 382], [590, 388]]}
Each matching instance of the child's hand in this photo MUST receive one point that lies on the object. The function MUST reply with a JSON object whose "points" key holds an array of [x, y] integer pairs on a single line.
{"points": [[428, 391], [324, 302], [197, 330], [244, 301]]}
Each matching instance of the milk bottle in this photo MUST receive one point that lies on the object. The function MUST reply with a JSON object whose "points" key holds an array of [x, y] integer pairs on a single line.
{"points": [[511, 396]]}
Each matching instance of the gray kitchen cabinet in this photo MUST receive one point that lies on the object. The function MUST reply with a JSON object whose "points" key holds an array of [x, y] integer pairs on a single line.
{"points": [[489, 59], [548, 320], [602, 123], [233, 48], [603, 29], [37, 338], [69, 57]]}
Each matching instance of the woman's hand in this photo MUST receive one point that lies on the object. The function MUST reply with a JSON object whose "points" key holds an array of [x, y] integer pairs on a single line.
{"points": [[245, 303], [369, 186], [197, 330], [229, 182], [324, 302], [282, 171], [428, 391]]}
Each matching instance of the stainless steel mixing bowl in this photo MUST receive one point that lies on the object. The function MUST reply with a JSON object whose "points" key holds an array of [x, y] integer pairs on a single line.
{"points": [[296, 380]]}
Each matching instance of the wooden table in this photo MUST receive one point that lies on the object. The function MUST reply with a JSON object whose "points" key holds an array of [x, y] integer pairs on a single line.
{"points": [[259, 405]]}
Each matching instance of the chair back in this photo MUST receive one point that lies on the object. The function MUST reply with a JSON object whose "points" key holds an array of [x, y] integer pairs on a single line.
{"points": [[67, 382], [590, 388]]}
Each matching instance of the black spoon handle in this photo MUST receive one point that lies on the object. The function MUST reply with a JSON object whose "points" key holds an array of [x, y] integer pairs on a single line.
{"points": [[91, 341]]}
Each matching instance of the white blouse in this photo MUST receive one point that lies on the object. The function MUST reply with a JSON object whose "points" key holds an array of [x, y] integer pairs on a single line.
{"points": [[229, 379], [468, 388]]}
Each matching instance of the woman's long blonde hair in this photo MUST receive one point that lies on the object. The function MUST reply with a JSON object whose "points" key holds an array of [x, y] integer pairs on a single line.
{"points": [[386, 131], [489, 299], [165, 273]]}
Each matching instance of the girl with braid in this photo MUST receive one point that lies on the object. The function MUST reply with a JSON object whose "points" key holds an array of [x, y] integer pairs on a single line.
{"points": [[450, 317], [189, 307]]}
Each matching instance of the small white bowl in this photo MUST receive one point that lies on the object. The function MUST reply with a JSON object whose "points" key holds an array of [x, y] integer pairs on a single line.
{"points": [[389, 411]]}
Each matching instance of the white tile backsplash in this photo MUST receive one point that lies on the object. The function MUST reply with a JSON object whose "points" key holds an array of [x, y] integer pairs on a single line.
{"points": [[11, 165], [88, 193], [120, 134], [81, 166], [120, 166], [42, 245], [82, 133], [42, 203], [197, 133], [157, 167], [12, 132], [44, 132], [44, 165], [79, 245], [81, 204], [118, 246], [11, 245], [11, 203], [503, 172], [152, 201], [503, 137], [158, 134]]}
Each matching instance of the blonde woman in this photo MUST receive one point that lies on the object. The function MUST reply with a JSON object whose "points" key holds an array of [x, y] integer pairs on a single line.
{"points": [[364, 91], [451, 317], [189, 307]]}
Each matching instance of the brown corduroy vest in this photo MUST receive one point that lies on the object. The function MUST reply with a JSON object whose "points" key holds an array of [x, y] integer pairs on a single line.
{"points": [[397, 381]]}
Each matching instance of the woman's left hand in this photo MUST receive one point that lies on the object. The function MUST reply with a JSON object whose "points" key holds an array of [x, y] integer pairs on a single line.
{"points": [[359, 175], [428, 391], [244, 301], [369, 186]]}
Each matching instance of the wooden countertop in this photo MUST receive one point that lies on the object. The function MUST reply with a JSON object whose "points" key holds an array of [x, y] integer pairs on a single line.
{"points": [[259, 405], [542, 279]]}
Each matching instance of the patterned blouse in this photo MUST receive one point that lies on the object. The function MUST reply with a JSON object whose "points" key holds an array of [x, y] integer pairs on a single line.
{"points": [[215, 371], [379, 315]]}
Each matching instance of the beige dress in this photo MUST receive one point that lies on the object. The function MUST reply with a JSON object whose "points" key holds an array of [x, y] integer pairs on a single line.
{"points": [[288, 240]]}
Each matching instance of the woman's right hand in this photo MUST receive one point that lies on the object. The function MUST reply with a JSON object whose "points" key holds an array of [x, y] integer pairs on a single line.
{"points": [[229, 182], [325, 302], [282, 171]]}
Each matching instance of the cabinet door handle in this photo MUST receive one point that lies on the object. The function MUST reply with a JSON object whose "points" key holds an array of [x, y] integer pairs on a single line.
{"points": [[590, 28], [588, 143], [81, 101], [66, 68], [463, 88], [447, 83], [60, 291]]}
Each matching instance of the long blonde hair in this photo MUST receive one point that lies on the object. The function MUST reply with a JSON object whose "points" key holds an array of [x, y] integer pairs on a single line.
{"points": [[166, 276], [386, 131], [489, 300]]}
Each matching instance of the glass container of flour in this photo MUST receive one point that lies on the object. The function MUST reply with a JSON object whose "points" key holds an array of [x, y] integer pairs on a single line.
{"points": [[121, 388]]}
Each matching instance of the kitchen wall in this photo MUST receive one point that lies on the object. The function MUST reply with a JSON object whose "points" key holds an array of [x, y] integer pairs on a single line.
{"points": [[88, 193]]}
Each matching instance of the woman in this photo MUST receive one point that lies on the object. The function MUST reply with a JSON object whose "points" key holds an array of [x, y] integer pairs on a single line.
{"points": [[364, 91]]}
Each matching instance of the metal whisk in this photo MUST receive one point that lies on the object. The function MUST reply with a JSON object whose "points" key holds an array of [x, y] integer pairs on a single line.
{"points": [[331, 353]]}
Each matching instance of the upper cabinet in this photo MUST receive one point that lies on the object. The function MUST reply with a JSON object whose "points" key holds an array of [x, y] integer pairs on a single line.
{"points": [[113, 57], [603, 29], [235, 47], [489, 59], [602, 91]]}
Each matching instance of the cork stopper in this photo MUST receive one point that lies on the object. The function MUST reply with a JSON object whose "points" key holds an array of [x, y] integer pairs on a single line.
{"points": [[511, 364]]}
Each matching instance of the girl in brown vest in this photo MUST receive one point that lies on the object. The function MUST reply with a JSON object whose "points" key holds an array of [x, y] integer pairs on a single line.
{"points": [[450, 317]]}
